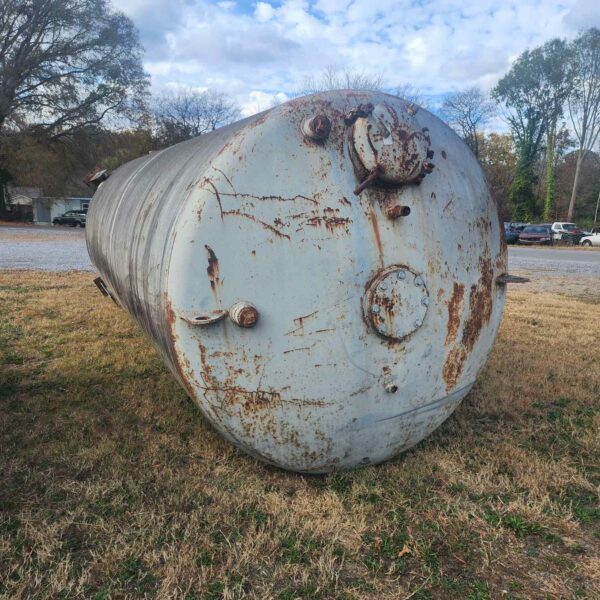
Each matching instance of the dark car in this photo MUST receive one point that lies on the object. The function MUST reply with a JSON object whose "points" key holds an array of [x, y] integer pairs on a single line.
{"points": [[72, 218], [511, 234], [536, 234]]}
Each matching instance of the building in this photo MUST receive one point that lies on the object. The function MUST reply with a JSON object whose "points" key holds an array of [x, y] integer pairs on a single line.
{"points": [[19, 202], [46, 209]]}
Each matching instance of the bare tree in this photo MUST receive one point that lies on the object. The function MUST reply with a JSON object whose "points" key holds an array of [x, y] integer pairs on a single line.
{"points": [[584, 100], [334, 78], [413, 94], [67, 64], [467, 112], [188, 113]]}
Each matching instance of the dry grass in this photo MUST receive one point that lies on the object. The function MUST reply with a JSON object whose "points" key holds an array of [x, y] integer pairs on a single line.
{"points": [[113, 486]]}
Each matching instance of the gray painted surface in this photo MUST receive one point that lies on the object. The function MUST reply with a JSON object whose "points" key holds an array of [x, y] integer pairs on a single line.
{"points": [[254, 212]]}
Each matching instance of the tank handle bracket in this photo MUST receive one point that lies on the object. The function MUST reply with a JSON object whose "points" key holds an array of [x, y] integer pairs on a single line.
{"points": [[99, 283], [507, 278], [204, 320]]}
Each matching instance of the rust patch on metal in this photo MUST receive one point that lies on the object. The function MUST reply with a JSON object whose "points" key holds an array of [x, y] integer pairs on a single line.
{"points": [[454, 310], [330, 219], [453, 366], [213, 268], [480, 312], [171, 318], [480, 304], [206, 368]]}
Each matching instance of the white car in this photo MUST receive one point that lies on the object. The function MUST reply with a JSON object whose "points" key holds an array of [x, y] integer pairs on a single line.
{"points": [[560, 228], [590, 240]]}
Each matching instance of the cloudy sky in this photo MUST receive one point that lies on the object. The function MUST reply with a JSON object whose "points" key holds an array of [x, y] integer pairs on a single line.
{"points": [[260, 52]]}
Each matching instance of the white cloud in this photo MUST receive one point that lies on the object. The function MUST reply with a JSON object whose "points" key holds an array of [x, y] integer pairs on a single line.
{"points": [[584, 13], [262, 51], [263, 12], [259, 101]]}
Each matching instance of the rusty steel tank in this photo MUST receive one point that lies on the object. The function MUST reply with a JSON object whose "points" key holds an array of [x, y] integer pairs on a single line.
{"points": [[325, 279]]}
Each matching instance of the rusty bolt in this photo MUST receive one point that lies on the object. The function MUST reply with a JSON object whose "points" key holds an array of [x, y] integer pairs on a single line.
{"points": [[396, 211], [317, 128], [401, 275], [428, 166], [391, 388], [244, 314], [375, 309]]}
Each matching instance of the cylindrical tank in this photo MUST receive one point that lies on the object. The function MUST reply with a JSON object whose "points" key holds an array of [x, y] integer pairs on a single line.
{"points": [[322, 278]]}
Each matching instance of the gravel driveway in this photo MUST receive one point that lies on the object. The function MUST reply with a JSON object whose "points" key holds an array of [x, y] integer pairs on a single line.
{"points": [[43, 248]]}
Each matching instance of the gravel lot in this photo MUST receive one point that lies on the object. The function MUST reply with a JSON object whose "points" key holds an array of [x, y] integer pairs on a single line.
{"points": [[43, 248]]}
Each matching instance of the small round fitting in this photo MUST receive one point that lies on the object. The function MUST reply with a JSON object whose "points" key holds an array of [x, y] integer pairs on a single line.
{"points": [[396, 211], [316, 128], [243, 314]]}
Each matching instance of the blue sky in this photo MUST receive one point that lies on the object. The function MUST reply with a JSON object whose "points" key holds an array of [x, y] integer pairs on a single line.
{"points": [[261, 52]]}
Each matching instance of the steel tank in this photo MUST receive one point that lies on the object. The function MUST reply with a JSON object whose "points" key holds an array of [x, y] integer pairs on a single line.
{"points": [[325, 279]]}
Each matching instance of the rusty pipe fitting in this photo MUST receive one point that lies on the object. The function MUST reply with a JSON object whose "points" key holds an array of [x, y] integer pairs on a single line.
{"points": [[375, 173], [396, 211], [244, 314], [316, 128]]}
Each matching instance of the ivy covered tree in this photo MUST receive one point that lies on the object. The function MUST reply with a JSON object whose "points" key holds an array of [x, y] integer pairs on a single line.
{"points": [[533, 94], [584, 100]]}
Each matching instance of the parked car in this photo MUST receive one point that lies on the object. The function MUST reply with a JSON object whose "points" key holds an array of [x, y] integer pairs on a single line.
{"points": [[511, 234], [536, 234], [519, 226], [565, 229], [72, 218], [590, 240]]}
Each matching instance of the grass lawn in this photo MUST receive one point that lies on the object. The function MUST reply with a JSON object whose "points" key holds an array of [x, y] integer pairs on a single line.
{"points": [[112, 485]]}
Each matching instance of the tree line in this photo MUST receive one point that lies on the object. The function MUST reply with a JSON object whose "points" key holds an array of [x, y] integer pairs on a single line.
{"points": [[74, 96]]}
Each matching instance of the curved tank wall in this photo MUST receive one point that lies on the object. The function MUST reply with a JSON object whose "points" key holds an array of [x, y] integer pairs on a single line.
{"points": [[355, 235]]}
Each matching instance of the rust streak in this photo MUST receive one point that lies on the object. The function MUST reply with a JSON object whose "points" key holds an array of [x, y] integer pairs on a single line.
{"points": [[217, 195], [453, 366], [480, 304], [297, 349], [300, 320], [213, 268], [269, 197], [226, 178], [454, 310], [268, 226], [375, 226]]}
